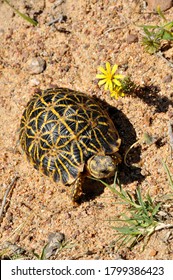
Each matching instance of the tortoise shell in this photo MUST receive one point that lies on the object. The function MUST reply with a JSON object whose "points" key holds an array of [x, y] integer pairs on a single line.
{"points": [[61, 129]]}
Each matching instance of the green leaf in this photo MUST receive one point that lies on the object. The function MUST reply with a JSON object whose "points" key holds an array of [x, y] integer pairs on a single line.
{"points": [[127, 230], [161, 14], [149, 26], [167, 35], [138, 192], [168, 25], [156, 209], [25, 17], [147, 32]]}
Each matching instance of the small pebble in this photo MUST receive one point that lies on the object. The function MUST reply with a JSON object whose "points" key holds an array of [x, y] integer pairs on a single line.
{"points": [[34, 82], [153, 253], [36, 65], [54, 243], [59, 2], [167, 79], [164, 5], [2, 31], [132, 38]]}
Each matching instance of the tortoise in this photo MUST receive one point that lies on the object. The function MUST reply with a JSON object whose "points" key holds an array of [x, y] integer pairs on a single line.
{"points": [[68, 136]]}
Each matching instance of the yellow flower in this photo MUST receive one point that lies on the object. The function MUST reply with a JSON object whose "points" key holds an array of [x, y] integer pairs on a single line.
{"points": [[117, 92], [108, 77]]}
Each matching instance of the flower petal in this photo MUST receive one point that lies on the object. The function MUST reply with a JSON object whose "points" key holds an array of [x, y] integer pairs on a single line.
{"points": [[116, 95], [107, 85], [112, 93], [101, 82], [116, 82], [108, 67], [119, 76], [110, 85], [101, 69], [114, 69], [100, 76]]}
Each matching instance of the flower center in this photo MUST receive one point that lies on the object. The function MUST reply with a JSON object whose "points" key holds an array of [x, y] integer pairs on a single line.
{"points": [[109, 76]]}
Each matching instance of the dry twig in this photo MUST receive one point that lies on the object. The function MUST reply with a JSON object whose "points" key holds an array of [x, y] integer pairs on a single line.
{"points": [[6, 194], [159, 54]]}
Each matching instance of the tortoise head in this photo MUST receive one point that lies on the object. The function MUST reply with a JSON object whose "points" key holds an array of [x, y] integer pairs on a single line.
{"points": [[103, 166]]}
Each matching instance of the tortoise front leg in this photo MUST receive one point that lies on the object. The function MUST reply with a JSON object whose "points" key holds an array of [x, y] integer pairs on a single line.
{"points": [[77, 188]]}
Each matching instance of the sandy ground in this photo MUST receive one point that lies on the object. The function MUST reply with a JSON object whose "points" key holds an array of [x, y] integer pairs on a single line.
{"points": [[88, 34]]}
